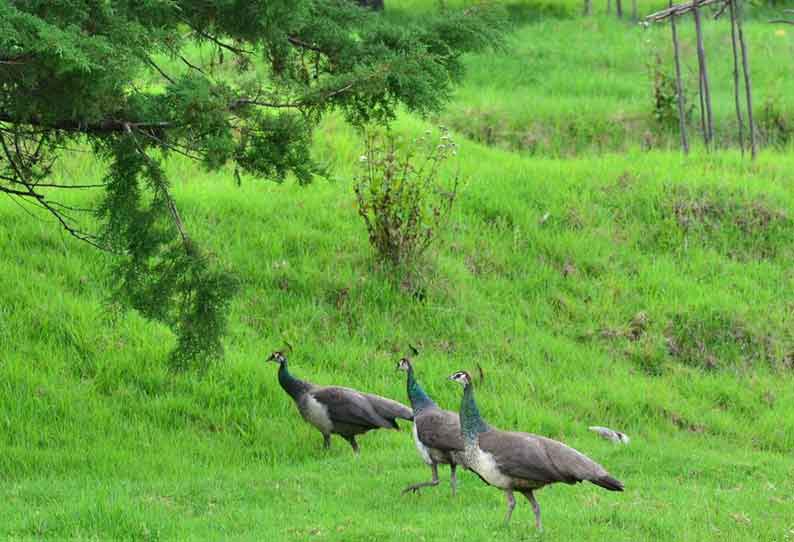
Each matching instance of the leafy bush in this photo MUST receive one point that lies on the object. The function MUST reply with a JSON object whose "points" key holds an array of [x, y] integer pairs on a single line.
{"points": [[403, 197], [775, 126], [665, 95]]}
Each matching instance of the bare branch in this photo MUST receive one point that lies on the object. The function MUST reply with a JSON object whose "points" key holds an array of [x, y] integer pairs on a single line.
{"points": [[736, 87], [71, 208], [748, 86], [721, 10], [679, 87], [26, 194], [53, 185], [191, 65], [103, 126], [177, 149], [680, 9], [297, 42], [217, 41], [152, 63], [307, 101]]}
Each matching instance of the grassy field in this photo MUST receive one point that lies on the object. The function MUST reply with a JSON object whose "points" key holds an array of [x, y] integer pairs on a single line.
{"points": [[640, 290], [569, 85]]}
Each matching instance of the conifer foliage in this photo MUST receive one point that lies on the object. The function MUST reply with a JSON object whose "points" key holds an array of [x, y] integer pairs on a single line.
{"points": [[121, 79]]}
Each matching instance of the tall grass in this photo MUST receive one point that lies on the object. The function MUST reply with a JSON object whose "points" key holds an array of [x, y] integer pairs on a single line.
{"points": [[582, 85]]}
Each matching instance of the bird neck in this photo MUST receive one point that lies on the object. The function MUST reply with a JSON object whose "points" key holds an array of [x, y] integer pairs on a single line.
{"points": [[471, 422], [419, 399], [293, 386]]}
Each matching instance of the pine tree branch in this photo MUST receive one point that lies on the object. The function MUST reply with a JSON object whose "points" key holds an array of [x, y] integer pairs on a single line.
{"points": [[191, 65], [159, 70], [236, 104], [106, 126], [26, 194], [162, 186], [297, 42], [217, 41], [39, 199], [54, 185]]}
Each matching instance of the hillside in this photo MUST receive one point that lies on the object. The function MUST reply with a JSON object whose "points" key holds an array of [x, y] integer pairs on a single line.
{"points": [[640, 290]]}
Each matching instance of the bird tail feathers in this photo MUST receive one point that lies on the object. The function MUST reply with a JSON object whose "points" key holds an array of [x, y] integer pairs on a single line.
{"points": [[607, 482]]}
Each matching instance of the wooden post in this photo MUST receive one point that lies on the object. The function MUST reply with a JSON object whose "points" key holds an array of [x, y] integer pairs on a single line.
{"points": [[679, 85], [634, 11], [703, 125], [704, 76], [747, 83], [736, 88], [619, 8], [588, 7], [609, 7]]}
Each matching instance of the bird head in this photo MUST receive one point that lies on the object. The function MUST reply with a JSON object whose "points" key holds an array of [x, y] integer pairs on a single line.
{"points": [[461, 377], [280, 356], [277, 357], [404, 365]]}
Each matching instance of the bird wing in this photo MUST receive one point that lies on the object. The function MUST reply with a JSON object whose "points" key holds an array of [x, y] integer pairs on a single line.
{"points": [[349, 407], [536, 458], [519, 457], [389, 408], [571, 464], [439, 429]]}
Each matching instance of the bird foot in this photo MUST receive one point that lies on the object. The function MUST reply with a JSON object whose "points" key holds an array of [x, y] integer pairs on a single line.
{"points": [[413, 489], [416, 487]]}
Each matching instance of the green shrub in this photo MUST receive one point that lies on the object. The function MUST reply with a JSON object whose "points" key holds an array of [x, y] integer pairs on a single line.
{"points": [[774, 124], [402, 194], [665, 95]]}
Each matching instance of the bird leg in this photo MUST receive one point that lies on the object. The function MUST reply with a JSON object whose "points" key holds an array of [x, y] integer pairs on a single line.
{"points": [[535, 508], [352, 440], [326, 442], [511, 503], [434, 482], [453, 478]]}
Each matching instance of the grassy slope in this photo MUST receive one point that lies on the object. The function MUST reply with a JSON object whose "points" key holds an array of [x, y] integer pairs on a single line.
{"points": [[99, 440], [568, 85]]}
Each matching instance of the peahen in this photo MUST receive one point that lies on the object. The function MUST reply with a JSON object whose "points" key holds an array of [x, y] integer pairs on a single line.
{"points": [[521, 461], [436, 432], [341, 411]]}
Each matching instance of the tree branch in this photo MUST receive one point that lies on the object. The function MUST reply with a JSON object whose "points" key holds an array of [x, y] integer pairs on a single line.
{"points": [[27, 194], [191, 65], [102, 127], [169, 200], [297, 42], [236, 50], [53, 185], [159, 70], [40, 200], [680, 9]]}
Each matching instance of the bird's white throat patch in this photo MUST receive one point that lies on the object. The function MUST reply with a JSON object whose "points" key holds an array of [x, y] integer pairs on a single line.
{"points": [[485, 465], [423, 451], [316, 413]]}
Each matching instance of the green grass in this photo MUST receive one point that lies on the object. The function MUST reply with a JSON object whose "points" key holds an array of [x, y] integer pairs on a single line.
{"points": [[565, 86], [643, 291]]}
